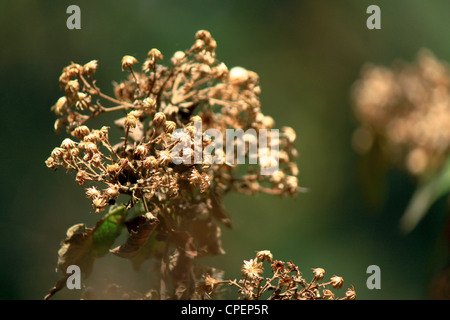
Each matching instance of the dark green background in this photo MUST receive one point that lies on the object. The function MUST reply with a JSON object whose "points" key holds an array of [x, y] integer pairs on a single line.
{"points": [[307, 53]]}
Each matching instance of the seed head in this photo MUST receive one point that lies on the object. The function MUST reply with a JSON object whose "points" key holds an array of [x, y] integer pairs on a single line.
{"points": [[128, 62], [337, 282]]}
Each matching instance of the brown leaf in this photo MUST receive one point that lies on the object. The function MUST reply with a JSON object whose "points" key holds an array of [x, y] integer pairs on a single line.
{"points": [[217, 210], [207, 235], [138, 237]]}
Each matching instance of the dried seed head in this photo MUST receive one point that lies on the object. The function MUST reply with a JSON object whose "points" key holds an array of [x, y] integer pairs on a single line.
{"points": [[150, 162], [80, 132], [149, 105], [251, 268], [159, 119], [170, 126], [238, 75], [60, 107], [112, 191], [141, 151], [196, 119], [319, 273], [81, 177], [155, 55], [68, 144], [128, 62], [350, 294], [93, 192], [178, 56], [99, 204], [264, 255], [131, 120], [289, 133], [113, 168], [337, 282], [90, 67], [328, 294], [50, 163]]}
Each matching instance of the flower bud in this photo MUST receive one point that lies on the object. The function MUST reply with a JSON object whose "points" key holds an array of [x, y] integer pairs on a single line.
{"points": [[337, 282], [319, 273], [170, 126], [128, 62], [68, 144], [159, 119]]}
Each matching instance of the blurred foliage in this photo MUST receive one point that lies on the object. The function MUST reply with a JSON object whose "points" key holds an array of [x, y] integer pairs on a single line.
{"points": [[307, 53]]}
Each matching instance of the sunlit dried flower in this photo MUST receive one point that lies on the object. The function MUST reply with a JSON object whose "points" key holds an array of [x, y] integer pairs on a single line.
{"points": [[251, 268], [128, 62], [264, 255], [337, 282], [319, 273]]}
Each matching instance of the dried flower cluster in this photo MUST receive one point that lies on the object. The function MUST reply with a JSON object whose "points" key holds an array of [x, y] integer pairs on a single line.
{"points": [[406, 109], [286, 282], [184, 200]]}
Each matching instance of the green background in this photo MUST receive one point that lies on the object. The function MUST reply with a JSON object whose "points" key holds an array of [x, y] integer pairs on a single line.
{"points": [[307, 54]]}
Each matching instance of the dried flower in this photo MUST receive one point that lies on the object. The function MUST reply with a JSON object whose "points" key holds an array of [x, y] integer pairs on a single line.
{"points": [[128, 62], [337, 282], [251, 268]]}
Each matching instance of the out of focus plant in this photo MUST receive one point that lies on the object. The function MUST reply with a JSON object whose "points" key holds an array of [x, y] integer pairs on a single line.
{"points": [[404, 116], [404, 121]]}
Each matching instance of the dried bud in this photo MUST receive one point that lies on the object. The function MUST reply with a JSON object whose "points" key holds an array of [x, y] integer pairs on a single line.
{"points": [[128, 62], [196, 119], [50, 163], [112, 191], [81, 177], [337, 282], [68, 144], [141, 151], [238, 75], [155, 55], [80, 132], [178, 56], [150, 162], [90, 67], [328, 294], [289, 133], [149, 105], [60, 107], [113, 168], [93, 192], [159, 119], [319, 273], [99, 204], [131, 121], [170, 126], [350, 294], [264, 255]]}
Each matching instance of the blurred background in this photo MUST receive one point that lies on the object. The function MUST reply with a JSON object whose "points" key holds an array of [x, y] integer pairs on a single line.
{"points": [[307, 54]]}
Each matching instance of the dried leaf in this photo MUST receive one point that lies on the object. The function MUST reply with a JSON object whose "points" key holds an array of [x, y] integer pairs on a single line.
{"points": [[217, 211], [207, 235], [139, 241], [83, 245]]}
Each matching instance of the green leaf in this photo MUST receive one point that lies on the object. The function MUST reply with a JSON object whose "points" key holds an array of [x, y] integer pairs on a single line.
{"points": [[424, 197], [83, 245]]}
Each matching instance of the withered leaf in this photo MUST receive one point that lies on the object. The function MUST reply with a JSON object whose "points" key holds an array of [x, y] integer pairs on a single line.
{"points": [[217, 210], [83, 245], [207, 235], [140, 239]]}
